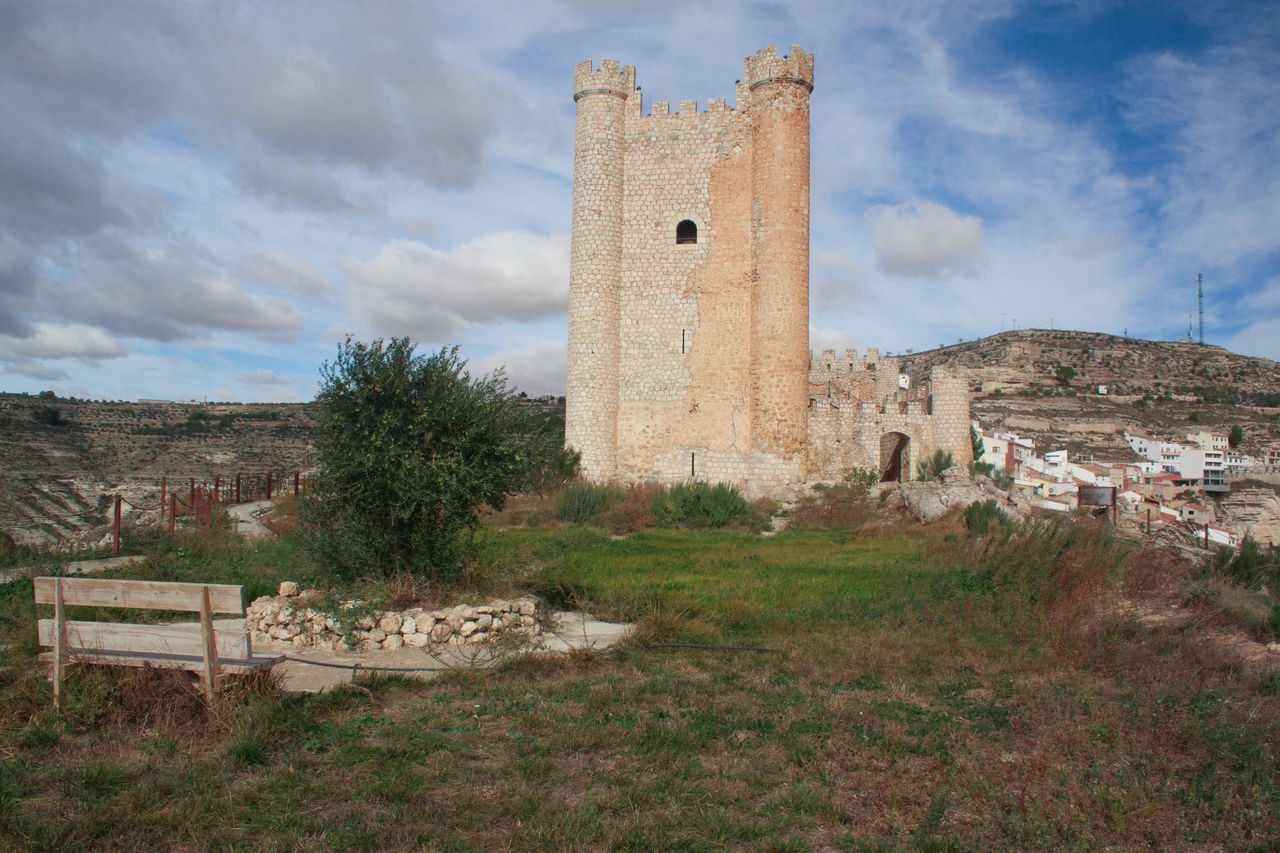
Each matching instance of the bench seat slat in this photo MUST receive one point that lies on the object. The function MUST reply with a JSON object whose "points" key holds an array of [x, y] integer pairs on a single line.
{"points": [[234, 666], [146, 639], [141, 595]]}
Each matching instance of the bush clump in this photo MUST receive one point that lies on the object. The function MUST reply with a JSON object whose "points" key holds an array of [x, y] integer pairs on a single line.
{"points": [[844, 506], [699, 505], [409, 450], [1250, 566], [979, 515], [585, 503]]}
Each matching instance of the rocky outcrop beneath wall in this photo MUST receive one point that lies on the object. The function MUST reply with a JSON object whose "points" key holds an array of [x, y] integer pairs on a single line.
{"points": [[296, 616], [1253, 507], [930, 499]]}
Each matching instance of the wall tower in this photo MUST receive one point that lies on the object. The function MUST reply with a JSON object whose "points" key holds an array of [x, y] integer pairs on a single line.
{"points": [[779, 118], [595, 263]]}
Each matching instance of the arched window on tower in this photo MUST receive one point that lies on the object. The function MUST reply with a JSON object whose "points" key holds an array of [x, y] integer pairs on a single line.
{"points": [[686, 232]]}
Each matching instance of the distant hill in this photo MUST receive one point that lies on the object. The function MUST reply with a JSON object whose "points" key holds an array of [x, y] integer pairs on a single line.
{"points": [[62, 459], [1166, 387]]}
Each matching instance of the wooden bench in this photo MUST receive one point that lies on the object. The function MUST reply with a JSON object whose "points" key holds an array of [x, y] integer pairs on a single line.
{"points": [[200, 647]]}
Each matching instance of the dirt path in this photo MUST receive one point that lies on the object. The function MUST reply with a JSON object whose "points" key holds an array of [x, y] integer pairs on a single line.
{"points": [[246, 520]]}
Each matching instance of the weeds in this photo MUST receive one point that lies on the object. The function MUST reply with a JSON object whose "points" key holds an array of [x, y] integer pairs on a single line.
{"points": [[980, 515], [699, 505], [930, 467], [584, 503], [840, 507]]}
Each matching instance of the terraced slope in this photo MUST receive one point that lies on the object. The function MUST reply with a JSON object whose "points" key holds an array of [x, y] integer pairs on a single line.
{"points": [[57, 475]]}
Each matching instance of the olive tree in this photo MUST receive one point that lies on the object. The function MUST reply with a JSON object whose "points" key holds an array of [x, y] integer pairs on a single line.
{"points": [[410, 449]]}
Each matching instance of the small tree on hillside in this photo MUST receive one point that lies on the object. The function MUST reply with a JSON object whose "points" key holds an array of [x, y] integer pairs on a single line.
{"points": [[1235, 436], [1064, 374], [410, 449]]}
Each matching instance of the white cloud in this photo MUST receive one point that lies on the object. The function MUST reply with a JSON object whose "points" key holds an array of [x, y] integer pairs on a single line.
{"points": [[277, 270], [1259, 339], [537, 369], [166, 293], [264, 378], [923, 239], [429, 294], [56, 340], [836, 339]]}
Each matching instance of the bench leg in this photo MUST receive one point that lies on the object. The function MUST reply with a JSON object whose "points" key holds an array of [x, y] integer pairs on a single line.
{"points": [[209, 676], [59, 645]]}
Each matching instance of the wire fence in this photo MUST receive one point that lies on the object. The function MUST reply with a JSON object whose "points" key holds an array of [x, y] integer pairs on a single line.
{"points": [[193, 498]]}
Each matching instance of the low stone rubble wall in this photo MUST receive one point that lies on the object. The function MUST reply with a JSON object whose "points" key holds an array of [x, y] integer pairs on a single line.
{"points": [[293, 616]]}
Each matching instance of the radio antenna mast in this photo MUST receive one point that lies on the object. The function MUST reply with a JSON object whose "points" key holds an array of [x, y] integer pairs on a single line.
{"points": [[1200, 299]]}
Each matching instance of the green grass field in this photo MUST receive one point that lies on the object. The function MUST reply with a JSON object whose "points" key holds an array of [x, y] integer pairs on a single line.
{"points": [[896, 689]]}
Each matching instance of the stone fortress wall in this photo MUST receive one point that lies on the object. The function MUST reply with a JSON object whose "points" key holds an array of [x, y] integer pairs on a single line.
{"points": [[690, 358], [862, 416]]}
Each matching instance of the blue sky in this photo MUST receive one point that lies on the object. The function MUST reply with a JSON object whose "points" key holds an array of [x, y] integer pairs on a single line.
{"points": [[200, 200]]}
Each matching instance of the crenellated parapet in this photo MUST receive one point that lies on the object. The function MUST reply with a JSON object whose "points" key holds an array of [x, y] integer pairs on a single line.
{"points": [[766, 68], [609, 79], [846, 376]]}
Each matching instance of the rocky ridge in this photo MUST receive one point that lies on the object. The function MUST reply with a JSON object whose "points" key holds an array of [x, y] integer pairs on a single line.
{"points": [[1164, 387]]}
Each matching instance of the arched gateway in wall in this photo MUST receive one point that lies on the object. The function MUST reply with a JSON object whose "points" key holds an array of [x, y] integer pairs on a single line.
{"points": [[895, 457]]}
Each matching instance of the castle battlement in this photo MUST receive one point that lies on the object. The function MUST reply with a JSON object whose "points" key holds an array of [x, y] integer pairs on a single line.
{"points": [[688, 109], [848, 362], [610, 78], [767, 67]]}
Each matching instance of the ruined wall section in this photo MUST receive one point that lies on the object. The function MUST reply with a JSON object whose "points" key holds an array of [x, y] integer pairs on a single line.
{"points": [[848, 431]]}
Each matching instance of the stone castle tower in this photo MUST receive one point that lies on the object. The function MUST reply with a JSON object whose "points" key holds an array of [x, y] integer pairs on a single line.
{"points": [[689, 286]]}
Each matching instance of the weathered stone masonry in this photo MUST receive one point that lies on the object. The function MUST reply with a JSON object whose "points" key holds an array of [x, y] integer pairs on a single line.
{"points": [[690, 358]]}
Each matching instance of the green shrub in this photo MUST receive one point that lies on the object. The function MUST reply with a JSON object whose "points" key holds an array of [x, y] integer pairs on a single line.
{"points": [[699, 505], [930, 468], [409, 450], [584, 503], [979, 515], [49, 416], [1248, 566]]}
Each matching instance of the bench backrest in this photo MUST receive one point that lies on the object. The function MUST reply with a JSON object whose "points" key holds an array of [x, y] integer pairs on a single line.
{"points": [[232, 643], [141, 595]]}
